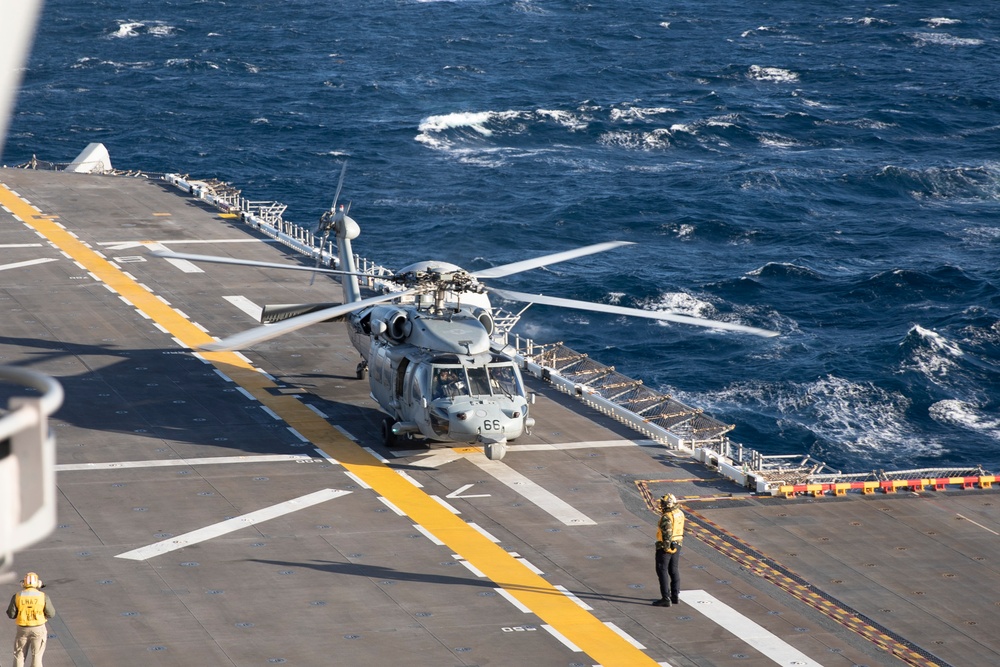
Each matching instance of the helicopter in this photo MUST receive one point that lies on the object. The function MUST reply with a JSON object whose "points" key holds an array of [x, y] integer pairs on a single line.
{"points": [[426, 346]]}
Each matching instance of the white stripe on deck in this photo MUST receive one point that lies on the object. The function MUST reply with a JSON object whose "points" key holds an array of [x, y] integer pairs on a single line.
{"points": [[232, 525], [27, 262], [546, 500], [163, 463], [750, 632], [586, 444], [562, 638], [246, 305], [624, 635], [182, 264], [159, 245]]}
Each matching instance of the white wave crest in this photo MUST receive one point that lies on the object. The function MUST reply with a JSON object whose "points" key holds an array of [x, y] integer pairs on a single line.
{"points": [[654, 140], [475, 120], [772, 74], [777, 141], [632, 114], [92, 62], [871, 20], [859, 417], [161, 30], [935, 359], [685, 304], [564, 118], [953, 412], [940, 21], [943, 39], [434, 130], [937, 341], [127, 29]]}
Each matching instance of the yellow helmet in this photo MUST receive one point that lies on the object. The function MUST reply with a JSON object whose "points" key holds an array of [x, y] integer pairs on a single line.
{"points": [[31, 580], [668, 502]]}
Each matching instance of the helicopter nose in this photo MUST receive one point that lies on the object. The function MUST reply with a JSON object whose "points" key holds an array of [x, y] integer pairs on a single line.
{"points": [[472, 422]]}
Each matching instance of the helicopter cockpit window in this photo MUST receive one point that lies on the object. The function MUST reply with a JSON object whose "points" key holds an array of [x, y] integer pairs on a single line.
{"points": [[504, 380], [478, 383], [448, 382], [419, 381]]}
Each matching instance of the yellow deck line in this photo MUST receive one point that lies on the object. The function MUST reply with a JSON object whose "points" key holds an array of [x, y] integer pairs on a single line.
{"points": [[552, 606]]}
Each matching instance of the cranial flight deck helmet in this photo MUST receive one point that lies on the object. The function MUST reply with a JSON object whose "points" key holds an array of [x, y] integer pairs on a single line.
{"points": [[668, 502], [31, 580]]}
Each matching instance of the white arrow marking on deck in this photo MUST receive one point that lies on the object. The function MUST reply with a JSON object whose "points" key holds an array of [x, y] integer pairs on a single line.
{"points": [[457, 493], [232, 525], [29, 262], [439, 459], [749, 631]]}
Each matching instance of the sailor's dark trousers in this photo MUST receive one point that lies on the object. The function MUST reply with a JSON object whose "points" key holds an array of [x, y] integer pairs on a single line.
{"points": [[667, 571]]}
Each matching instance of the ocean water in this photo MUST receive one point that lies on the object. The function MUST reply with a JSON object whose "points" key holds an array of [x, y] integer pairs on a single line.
{"points": [[827, 170]]}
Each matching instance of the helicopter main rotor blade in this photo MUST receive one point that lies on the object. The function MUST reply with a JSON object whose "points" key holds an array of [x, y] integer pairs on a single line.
{"points": [[634, 312], [525, 265], [260, 334], [216, 259]]}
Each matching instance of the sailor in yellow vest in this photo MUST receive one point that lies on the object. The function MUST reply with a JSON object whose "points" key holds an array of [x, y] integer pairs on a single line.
{"points": [[669, 537], [30, 609]]}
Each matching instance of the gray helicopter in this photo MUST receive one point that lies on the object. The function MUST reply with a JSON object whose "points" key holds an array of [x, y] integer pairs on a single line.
{"points": [[427, 346]]}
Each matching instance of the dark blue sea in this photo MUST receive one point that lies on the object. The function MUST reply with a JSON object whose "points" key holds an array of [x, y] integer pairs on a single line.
{"points": [[827, 170]]}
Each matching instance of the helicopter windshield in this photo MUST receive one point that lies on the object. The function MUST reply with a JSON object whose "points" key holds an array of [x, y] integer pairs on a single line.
{"points": [[494, 379], [478, 383], [504, 380], [448, 382]]}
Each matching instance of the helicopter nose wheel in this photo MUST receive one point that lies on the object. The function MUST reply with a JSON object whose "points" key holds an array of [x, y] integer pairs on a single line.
{"points": [[388, 437], [362, 369]]}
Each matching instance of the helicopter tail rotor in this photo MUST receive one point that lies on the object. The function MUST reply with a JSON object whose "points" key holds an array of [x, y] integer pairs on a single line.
{"points": [[328, 220]]}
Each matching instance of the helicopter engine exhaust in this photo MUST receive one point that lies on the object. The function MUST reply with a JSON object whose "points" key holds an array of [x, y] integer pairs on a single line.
{"points": [[390, 322], [485, 318]]}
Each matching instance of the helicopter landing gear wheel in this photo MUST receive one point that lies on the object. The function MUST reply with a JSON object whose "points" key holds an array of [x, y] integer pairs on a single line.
{"points": [[388, 437], [362, 369]]}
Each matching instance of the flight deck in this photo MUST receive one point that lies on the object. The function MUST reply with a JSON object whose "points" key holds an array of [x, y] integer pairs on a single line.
{"points": [[238, 509]]}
